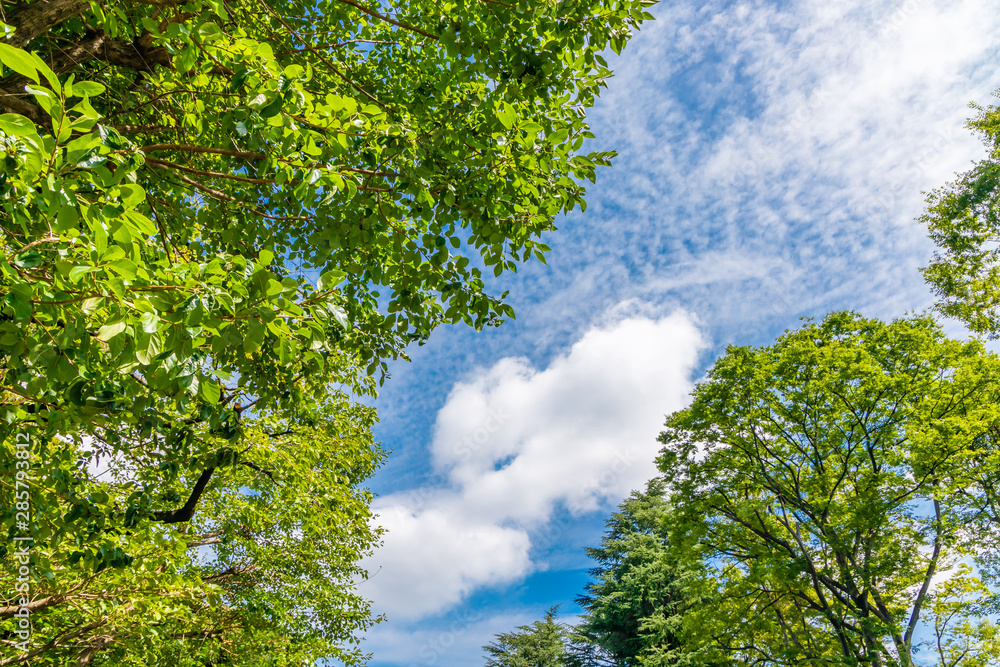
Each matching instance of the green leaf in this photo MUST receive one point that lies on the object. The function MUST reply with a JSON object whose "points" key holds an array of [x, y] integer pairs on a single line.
{"points": [[76, 393], [274, 288], [19, 299], [90, 305], [254, 336], [126, 268], [111, 138], [91, 160], [239, 79], [132, 195], [19, 61], [147, 349], [272, 109], [112, 253], [186, 59], [150, 322], [43, 68], [109, 331], [139, 222], [88, 89], [210, 391], [227, 302], [258, 101], [78, 272], [558, 137], [16, 125], [506, 115], [46, 99], [265, 257], [330, 279], [66, 219], [29, 260], [340, 316]]}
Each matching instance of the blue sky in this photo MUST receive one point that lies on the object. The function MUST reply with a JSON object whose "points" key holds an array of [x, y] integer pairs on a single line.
{"points": [[772, 160]]}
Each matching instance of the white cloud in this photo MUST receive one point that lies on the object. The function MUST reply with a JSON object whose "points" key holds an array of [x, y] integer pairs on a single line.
{"points": [[432, 558], [514, 443]]}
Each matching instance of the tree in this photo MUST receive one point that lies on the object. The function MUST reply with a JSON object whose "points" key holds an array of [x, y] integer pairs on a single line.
{"points": [[637, 597], [829, 482], [219, 219], [264, 571], [541, 644], [963, 219], [633, 607]]}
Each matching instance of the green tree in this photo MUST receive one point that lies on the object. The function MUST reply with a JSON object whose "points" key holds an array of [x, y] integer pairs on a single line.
{"points": [[218, 221], [963, 219], [263, 571], [633, 607], [961, 613], [637, 597], [828, 481], [541, 644]]}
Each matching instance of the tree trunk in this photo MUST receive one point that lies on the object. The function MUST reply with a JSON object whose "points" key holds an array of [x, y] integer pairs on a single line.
{"points": [[34, 18]]}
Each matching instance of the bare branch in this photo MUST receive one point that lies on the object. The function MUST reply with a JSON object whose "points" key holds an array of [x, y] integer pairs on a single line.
{"points": [[931, 569]]}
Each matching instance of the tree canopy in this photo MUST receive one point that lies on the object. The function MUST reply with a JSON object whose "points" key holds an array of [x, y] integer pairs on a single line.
{"points": [[963, 219], [637, 593], [633, 607], [829, 483], [219, 220], [541, 644]]}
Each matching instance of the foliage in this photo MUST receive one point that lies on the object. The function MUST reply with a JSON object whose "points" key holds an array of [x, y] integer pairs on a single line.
{"points": [[959, 613], [636, 599], [218, 220], [633, 607], [827, 482], [263, 571], [963, 219], [541, 644]]}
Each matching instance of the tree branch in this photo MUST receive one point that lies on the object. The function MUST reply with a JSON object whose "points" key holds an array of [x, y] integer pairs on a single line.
{"points": [[383, 17], [184, 148], [931, 568], [86, 657], [14, 102], [163, 164], [187, 511], [139, 55], [35, 18], [254, 466], [34, 605], [61, 639]]}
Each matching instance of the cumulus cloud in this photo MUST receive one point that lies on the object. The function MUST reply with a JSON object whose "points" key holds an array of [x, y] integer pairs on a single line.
{"points": [[514, 443], [432, 558]]}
